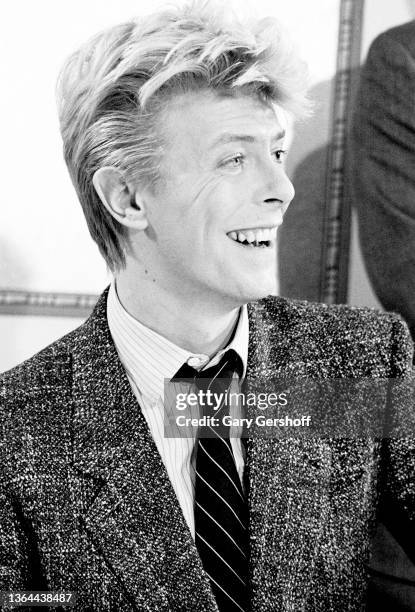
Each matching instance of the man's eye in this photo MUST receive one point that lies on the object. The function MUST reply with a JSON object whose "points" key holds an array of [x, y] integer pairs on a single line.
{"points": [[279, 154], [235, 161]]}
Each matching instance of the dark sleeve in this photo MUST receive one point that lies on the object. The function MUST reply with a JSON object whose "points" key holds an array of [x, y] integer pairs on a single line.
{"points": [[382, 157]]}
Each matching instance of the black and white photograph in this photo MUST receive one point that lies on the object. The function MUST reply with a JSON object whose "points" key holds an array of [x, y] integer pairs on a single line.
{"points": [[207, 306]]}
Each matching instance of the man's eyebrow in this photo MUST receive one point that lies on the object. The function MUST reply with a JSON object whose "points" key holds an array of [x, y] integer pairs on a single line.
{"points": [[229, 137], [278, 136]]}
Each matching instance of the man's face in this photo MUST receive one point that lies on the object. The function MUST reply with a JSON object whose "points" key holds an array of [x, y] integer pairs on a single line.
{"points": [[214, 214]]}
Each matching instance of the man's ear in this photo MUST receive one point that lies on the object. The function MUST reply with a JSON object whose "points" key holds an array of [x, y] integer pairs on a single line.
{"points": [[124, 205]]}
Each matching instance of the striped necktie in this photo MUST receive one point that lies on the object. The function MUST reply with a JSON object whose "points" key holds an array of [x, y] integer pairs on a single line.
{"points": [[221, 512]]}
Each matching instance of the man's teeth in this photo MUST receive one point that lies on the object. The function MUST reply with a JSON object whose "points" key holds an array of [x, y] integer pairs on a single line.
{"points": [[254, 236]]}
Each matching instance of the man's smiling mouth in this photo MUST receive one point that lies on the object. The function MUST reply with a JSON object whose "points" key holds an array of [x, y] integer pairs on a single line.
{"points": [[255, 237]]}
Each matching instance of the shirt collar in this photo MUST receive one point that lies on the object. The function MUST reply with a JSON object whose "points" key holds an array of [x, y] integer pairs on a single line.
{"points": [[149, 358]]}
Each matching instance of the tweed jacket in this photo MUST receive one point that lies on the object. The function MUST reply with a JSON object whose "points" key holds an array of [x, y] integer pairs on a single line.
{"points": [[382, 153], [86, 504]]}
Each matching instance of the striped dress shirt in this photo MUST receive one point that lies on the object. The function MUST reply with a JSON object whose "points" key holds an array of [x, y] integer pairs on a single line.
{"points": [[149, 359]]}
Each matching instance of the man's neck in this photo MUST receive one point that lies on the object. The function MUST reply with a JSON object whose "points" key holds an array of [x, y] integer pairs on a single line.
{"points": [[197, 327]]}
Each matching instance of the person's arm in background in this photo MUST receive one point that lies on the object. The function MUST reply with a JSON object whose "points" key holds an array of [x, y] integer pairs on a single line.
{"points": [[382, 154], [382, 158]]}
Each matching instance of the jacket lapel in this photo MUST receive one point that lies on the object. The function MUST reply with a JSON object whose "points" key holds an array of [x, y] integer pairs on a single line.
{"points": [[130, 511], [286, 477]]}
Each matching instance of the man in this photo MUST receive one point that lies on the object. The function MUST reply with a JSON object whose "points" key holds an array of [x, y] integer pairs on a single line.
{"points": [[174, 144], [382, 152]]}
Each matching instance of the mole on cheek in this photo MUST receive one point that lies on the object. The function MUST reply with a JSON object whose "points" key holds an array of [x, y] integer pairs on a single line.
{"points": [[146, 272]]}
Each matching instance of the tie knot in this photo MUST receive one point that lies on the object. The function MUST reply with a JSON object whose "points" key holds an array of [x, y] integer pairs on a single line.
{"points": [[214, 383], [224, 369]]}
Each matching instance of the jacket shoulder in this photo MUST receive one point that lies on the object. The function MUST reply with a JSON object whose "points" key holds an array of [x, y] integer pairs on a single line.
{"points": [[50, 365], [38, 392], [327, 312], [38, 398], [358, 338], [35, 407], [42, 370]]}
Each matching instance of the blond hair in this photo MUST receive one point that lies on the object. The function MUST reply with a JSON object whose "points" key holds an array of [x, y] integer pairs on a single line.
{"points": [[112, 90]]}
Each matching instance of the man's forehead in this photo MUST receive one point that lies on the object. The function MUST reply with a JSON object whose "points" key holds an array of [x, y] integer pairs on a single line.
{"points": [[226, 119]]}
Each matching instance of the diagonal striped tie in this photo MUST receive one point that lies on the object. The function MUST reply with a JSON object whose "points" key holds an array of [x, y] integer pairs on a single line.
{"points": [[221, 514]]}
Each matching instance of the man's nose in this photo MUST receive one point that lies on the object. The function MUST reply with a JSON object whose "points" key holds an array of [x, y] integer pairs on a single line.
{"points": [[278, 189]]}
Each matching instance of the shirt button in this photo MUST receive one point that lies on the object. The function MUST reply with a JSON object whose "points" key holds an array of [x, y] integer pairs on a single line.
{"points": [[196, 362]]}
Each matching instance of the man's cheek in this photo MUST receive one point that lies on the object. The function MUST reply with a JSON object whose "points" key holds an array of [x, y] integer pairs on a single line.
{"points": [[207, 188]]}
